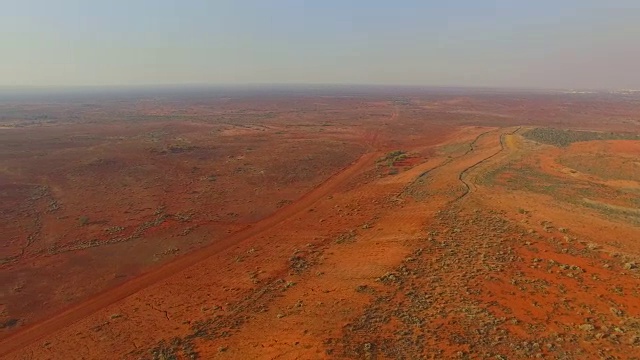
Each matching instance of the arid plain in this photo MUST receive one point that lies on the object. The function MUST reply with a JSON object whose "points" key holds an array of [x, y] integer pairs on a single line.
{"points": [[375, 224]]}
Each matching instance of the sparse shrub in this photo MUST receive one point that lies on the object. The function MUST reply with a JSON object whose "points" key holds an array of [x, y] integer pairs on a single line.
{"points": [[114, 229], [9, 324], [83, 220], [563, 138], [346, 237], [183, 217], [390, 156], [298, 264]]}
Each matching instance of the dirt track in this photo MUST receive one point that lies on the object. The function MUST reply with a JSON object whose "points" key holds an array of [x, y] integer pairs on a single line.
{"points": [[461, 175], [99, 301]]}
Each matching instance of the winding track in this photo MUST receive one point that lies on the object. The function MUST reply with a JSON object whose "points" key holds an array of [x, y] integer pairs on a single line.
{"points": [[445, 163], [33, 333], [469, 168]]}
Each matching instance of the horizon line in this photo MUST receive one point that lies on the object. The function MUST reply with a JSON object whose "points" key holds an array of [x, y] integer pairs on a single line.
{"points": [[276, 85]]}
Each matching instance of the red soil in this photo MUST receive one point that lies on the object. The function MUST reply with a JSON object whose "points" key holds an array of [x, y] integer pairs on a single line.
{"points": [[470, 252]]}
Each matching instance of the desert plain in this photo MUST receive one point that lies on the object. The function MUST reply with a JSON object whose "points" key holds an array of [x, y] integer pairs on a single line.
{"points": [[365, 223]]}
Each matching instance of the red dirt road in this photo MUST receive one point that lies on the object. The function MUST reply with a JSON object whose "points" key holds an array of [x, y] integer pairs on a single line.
{"points": [[79, 311]]}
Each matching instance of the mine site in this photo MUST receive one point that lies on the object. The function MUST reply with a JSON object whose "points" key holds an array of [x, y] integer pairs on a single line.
{"points": [[382, 224]]}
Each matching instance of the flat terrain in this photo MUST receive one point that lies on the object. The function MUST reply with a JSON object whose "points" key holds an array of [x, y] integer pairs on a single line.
{"points": [[381, 224]]}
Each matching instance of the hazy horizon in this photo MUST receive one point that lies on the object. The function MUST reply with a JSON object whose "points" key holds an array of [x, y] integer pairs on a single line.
{"points": [[500, 44], [248, 85]]}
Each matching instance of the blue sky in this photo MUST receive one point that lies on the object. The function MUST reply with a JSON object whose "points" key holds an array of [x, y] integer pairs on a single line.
{"points": [[517, 43]]}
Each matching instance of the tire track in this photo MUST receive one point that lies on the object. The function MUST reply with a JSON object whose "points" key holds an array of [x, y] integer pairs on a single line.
{"points": [[446, 162], [461, 175]]}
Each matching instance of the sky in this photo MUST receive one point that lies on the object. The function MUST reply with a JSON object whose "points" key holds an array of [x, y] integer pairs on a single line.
{"points": [[504, 43]]}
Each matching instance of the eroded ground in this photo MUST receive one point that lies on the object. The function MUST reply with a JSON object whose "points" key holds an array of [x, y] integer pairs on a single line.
{"points": [[456, 229]]}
